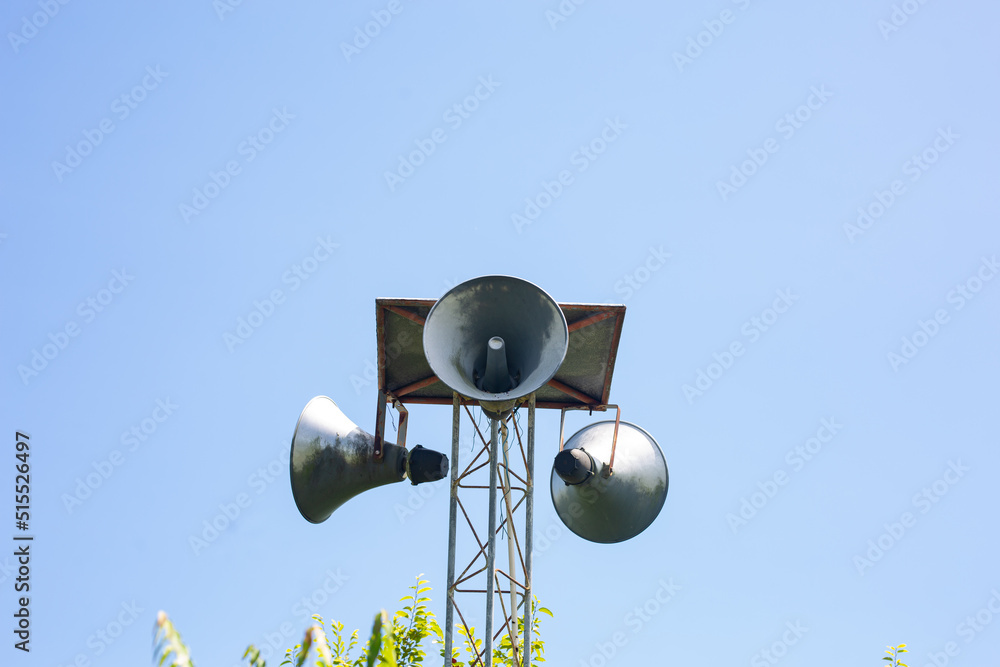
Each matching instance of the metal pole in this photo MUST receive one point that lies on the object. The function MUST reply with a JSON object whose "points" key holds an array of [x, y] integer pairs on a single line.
{"points": [[511, 548], [491, 544], [529, 530], [449, 614]]}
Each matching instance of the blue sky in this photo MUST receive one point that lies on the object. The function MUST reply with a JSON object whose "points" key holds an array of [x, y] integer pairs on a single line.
{"points": [[815, 185]]}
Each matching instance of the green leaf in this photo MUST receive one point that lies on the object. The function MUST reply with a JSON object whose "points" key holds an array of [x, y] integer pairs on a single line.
{"points": [[376, 639], [306, 644]]}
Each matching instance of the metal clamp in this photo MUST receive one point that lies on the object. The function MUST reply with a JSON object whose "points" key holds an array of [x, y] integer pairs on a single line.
{"points": [[609, 468]]}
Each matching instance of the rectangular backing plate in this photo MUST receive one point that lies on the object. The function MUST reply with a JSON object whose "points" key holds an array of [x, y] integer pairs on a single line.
{"points": [[584, 379]]}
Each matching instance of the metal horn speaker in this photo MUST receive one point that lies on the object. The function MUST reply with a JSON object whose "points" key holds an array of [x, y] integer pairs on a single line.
{"points": [[333, 460], [495, 339], [603, 507]]}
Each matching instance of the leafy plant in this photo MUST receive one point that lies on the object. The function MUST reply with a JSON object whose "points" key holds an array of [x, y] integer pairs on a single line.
{"points": [[893, 657], [393, 643], [412, 624], [167, 644], [399, 642], [503, 653], [337, 653]]}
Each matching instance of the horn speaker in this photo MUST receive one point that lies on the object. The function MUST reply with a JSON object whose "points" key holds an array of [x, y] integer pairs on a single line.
{"points": [[332, 460], [495, 339], [603, 507]]}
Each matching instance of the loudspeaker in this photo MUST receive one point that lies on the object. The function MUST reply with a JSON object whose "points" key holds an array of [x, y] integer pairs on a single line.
{"points": [[495, 339], [616, 507], [332, 460]]}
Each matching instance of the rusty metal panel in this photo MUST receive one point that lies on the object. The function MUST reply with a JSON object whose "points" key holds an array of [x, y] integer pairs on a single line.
{"points": [[584, 379]]}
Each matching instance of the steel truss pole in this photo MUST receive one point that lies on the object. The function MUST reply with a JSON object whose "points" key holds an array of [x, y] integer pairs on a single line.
{"points": [[491, 543], [449, 622], [529, 532], [484, 561]]}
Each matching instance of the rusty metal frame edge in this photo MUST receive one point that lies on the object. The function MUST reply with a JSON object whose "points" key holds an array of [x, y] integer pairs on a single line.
{"points": [[383, 304], [613, 354], [548, 405]]}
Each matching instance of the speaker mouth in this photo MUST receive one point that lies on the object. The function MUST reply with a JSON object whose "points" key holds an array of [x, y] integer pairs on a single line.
{"points": [[297, 463], [462, 325], [332, 460]]}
